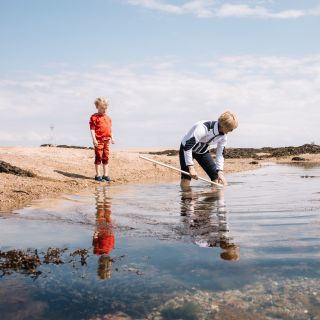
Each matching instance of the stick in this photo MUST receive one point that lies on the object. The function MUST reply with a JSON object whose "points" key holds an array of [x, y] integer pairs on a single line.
{"points": [[176, 169]]}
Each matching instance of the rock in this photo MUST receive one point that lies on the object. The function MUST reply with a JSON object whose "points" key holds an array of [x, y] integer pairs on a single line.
{"points": [[65, 146], [298, 159], [47, 145], [256, 153]]}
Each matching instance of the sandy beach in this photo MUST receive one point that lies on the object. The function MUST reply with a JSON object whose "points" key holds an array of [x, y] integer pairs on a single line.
{"points": [[66, 170]]}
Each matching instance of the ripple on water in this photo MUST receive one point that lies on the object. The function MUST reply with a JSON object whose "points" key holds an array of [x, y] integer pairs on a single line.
{"points": [[150, 248]]}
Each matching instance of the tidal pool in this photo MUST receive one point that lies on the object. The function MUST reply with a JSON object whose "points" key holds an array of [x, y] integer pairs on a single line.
{"points": [[250, 251]]}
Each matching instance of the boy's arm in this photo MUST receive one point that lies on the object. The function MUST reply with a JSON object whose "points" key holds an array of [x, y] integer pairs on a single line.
{"points": [[112, 139], [220, 160], [93, 136], [219, 156], [92, 130]]}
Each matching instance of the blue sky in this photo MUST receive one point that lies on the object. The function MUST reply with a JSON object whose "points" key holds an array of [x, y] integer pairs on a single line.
{"points": [[163, 64]]}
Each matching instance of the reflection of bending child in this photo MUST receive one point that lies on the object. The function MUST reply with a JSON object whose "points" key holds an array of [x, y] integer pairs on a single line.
{"points": [[103, 238], [204, 218]]}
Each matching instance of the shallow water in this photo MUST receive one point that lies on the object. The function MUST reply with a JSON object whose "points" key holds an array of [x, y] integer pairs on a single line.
{"points": [[148, 248]]}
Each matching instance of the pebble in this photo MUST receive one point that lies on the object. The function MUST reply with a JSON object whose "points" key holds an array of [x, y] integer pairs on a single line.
{"points": [[284, 300]]}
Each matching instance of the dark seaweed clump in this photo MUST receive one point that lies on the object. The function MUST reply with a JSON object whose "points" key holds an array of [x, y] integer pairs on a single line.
{"points": [[29, 261], [65, 146], [8, 168], [20, 261]]}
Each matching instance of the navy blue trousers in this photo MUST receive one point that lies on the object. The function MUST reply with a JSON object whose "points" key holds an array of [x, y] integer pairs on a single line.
{"points": [[205, 160]]}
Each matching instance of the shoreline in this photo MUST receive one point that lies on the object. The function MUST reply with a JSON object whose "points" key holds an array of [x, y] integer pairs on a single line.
{"points": [[60, 171]]}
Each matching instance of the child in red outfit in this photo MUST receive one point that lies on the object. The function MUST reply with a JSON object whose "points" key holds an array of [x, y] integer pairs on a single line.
{"points": [[101, 133]]}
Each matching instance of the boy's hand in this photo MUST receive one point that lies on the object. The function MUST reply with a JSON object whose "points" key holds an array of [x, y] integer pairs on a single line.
{"points": [[193, 173], [221, 178], [95, 143], [113, 141]]}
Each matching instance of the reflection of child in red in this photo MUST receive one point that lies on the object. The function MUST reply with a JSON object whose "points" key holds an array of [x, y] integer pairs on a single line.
{"points": [[103, 238], [103, 242]]}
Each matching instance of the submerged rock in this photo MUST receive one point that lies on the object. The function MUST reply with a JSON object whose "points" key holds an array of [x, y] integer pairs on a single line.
{"points": [[114, 316], [282, 299]]}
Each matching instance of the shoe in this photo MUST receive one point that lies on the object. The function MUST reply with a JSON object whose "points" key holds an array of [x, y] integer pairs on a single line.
{"points": [[99, 178], [106, 178]]}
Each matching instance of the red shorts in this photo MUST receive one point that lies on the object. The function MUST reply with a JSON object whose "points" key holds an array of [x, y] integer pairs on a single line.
{"points": [[102, 151]]}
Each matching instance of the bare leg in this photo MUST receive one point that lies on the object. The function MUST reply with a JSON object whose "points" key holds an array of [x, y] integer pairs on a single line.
{"points": [[97, 166], [185, 184], [105, 169]]}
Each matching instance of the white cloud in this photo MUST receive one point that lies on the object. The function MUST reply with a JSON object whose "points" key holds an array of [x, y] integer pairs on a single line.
{"points": [[154, 102], [210, 8]]}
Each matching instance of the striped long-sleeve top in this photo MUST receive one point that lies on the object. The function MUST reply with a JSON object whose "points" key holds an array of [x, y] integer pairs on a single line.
{"points": [[200, 138]]}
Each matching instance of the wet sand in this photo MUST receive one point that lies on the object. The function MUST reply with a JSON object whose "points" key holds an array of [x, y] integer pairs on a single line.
{"points": [[66, 170]]}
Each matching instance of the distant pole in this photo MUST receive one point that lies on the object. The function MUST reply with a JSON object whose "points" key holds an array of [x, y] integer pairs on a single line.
{"points": [[51, 138]]}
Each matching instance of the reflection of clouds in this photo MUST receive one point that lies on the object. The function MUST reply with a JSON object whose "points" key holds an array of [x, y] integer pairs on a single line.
{"points": [[275, 213], [204, 220], [103, 238]]}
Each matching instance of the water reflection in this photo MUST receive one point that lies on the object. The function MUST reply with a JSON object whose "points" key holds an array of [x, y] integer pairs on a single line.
{"points": [[303, 165], [103, 238], [278, 276], [204, 218]]}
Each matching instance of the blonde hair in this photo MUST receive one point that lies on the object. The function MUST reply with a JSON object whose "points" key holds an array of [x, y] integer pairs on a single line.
{"points": [[101, 101], [228, 120]]}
